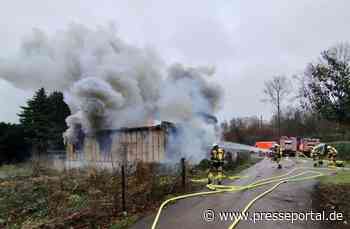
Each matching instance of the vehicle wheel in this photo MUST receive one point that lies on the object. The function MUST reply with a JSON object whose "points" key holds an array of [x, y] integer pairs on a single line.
{"points": [[279, 166]]}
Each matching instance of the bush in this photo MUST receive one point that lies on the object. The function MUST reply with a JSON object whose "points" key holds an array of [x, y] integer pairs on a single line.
{"points": [[343, 149], [204, 164], [13, 146]]}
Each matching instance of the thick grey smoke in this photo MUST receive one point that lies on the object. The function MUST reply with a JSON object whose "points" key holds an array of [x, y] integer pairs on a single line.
{"points": [[108, 83]]}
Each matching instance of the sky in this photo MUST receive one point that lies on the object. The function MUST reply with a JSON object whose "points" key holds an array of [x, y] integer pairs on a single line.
{"points": [[247, 41]]}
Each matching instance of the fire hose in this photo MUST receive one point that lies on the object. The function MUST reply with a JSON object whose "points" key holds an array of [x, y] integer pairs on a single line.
{"points": [[233, 188]]}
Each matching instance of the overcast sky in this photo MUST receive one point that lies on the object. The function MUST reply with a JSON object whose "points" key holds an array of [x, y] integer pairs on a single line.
{"points": [[247, 41]]}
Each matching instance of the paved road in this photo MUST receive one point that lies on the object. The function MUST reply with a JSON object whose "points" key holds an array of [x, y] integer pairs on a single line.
{"points": [[292, 196]]}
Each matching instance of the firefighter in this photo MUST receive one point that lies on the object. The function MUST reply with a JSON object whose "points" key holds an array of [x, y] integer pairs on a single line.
{"points": [[316, 156], [217, 156], [277, 155], [331, 153], [322, 151], [318, 153]]}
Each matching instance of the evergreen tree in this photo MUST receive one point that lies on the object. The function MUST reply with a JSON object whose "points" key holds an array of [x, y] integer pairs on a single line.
{"points": [[43, 119], [13, 147], [35, 120], [59, 111]]}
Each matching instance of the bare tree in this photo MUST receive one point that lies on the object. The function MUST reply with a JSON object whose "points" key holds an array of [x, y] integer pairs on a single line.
{"points": [[276, 91]]}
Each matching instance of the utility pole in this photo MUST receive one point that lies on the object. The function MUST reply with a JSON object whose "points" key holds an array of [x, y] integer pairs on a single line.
{"points": [[278, 114], [183, 173]]}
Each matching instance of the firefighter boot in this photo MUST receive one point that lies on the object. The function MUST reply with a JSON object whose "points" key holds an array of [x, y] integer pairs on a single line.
{"points": [[210, 177], [220, 175], [320, 163]]}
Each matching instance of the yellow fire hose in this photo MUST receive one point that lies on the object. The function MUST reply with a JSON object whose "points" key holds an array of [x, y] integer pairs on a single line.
{"points": [[204, 180], [233, 225], [231, 188], [303, 155]]}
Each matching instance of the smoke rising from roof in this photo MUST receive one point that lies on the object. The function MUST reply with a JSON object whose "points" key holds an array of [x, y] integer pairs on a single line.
{"points": [[108, 83]]}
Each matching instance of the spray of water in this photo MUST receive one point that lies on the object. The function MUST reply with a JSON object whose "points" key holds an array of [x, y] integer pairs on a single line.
{"points": [[109, 83]]}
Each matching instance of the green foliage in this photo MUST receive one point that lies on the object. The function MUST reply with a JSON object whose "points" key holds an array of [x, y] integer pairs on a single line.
{"points": [[15, 170], [43, 119], [342, 177], [204, 164], [243, 161], [328, 87], [58, 113], [244, 164], [230, 165], [77, 202], [81, 198], [124, 223], [343, 149], [35, 120], [42, 122], [13, 147], [23, 199]]}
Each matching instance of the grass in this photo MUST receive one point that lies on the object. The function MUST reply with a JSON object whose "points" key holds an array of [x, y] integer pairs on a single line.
{"points": [[246, 164], [124, 222], [343, 149], [342, 177], [15, 170], [37, 197], [229, 170], [333, 194]]}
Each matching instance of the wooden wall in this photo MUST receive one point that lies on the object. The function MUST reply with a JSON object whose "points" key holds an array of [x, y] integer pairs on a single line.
{"points": [[148, 145]]}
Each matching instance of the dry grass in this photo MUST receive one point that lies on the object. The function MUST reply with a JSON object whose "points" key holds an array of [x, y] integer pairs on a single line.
{"points": [[43, 198], [333, 194]]}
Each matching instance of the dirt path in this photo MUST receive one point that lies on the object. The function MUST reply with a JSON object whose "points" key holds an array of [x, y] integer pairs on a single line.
{"points": [[288, 197]]}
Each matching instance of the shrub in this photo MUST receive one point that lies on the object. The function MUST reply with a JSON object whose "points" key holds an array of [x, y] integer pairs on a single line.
{"points": [[204, 164], [343, 149]]}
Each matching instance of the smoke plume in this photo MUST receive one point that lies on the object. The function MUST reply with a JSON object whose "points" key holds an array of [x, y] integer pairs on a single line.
{"points": [[108, 83]]}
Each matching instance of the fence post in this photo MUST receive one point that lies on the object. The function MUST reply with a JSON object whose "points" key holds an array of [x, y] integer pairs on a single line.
{"points": [[124, 162], [123, 188], [183, 173]]}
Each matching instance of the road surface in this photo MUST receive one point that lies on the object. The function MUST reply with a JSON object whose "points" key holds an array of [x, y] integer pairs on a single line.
{"points": [[289, 197]]}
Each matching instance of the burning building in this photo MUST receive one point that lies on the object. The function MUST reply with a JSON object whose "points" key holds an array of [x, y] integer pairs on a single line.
{"points": [[110, 84], [147, 143]]}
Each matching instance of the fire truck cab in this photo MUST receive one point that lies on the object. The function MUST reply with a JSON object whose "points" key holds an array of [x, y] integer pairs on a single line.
{"points": [[288, 146]]}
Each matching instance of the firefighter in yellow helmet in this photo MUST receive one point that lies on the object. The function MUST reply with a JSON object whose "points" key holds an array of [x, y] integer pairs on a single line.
{"points": [[317, 154], [277, 155], [331, 153], [217, 157], [323, 151]]}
